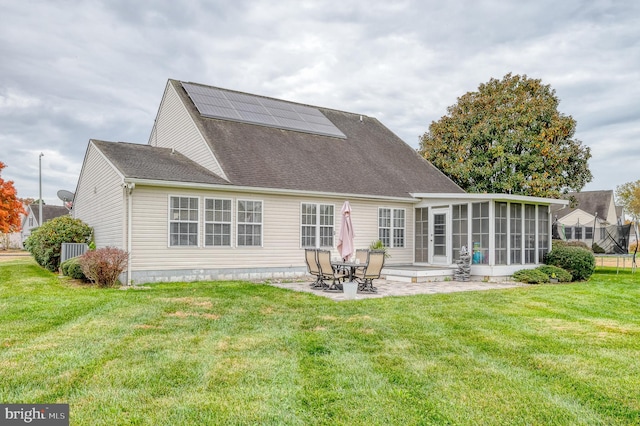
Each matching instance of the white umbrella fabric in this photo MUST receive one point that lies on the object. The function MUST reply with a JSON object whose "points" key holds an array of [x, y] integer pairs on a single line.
{"points": [[345, 239]]}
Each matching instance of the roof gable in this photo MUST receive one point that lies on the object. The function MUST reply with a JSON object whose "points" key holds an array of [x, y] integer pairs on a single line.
{"points": [[591, 202], [370, 160]]}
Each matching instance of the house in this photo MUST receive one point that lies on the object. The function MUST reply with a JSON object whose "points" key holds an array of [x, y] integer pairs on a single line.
{"points": [[32, 218], [592, 218], [233, 185]]}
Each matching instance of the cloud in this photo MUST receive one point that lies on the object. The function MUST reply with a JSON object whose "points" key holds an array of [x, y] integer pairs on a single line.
{"points": [[80, 70]]}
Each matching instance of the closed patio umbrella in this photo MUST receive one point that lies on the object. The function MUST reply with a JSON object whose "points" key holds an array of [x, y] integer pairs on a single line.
{"points": [[345, 239]]}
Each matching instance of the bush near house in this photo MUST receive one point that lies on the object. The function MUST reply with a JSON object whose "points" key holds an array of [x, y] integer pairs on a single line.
{"points": [[597, 249], [104, 266], [71, 268], [580, 263], [542, 274], [560, 274], [561, 243], [45, 242], [531, 276]]}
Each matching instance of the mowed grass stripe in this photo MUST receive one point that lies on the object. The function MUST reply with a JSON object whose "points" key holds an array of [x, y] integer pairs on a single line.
{"points": [[242, 353]]}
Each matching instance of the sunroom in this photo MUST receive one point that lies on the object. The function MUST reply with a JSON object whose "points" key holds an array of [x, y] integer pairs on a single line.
{"points": [[503, 233]]}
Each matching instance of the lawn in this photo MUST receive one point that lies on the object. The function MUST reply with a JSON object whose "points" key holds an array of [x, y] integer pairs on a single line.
{"points": [[244, 353]]}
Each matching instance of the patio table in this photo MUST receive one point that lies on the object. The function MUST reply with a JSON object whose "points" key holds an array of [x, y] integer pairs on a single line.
{"points": [[351, 265]]}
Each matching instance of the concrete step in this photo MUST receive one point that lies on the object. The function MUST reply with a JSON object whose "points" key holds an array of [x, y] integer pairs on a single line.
{"points": [[417, 274]]}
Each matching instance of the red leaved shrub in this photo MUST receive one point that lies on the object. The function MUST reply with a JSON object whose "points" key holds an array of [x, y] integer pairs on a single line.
{"points": [[104, 266]]}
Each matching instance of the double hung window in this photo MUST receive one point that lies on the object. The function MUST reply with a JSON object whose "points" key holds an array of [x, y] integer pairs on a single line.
{"points": [[183, 221], [249, 223], [391, 227], [317, 225], [217, 222]]}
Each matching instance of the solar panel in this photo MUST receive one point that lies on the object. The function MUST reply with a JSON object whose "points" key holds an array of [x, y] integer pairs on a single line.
{"points": [[217, 103]]}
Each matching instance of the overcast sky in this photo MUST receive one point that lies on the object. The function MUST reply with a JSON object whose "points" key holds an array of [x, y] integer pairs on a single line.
{"points": [[71, 70]]}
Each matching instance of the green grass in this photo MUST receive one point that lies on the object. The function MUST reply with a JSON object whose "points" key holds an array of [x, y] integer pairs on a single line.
{"points": [[242, 353]]}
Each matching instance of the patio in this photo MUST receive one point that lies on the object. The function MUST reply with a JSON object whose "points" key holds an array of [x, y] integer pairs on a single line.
{"points": [[400, 288]]}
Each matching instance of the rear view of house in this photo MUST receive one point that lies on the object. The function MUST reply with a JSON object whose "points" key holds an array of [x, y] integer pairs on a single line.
{"points": [[235, 185]]}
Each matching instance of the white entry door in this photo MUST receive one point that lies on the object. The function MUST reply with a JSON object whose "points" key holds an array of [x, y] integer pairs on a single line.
{"points": [[440, 237]]}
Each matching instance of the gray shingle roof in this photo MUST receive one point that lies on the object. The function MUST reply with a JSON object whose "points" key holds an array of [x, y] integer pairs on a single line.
{"points": [[48, 212], [51, 212], [590, 202], [148, 162], [372, 160]]}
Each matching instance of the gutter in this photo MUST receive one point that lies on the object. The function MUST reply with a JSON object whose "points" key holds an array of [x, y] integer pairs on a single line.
{"points": [[262, 190], [490, 197]]}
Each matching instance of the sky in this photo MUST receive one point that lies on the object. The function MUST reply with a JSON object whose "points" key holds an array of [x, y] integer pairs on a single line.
{"points": [[72, 71]]}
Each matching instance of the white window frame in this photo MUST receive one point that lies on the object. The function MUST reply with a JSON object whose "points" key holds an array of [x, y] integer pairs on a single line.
{"points": [[317, 225], [392, 227], [239, 223], [171, 220], [216, 222]]}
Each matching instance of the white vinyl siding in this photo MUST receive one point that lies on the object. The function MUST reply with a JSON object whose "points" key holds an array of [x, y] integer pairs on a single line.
{"points": [[174, 128], [280, 234], [99, 200]]}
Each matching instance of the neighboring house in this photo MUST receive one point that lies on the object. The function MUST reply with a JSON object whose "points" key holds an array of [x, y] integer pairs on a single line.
{"points": [[236, 186], [591, 217], [32, 218]]}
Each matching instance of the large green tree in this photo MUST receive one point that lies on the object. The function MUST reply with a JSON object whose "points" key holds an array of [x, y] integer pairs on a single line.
{"points": [[509, 137], [628, 196]]}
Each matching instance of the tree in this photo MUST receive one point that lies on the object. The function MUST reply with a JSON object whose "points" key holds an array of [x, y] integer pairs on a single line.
{"points": [[10, 206], [628, 196], [508, 137]]}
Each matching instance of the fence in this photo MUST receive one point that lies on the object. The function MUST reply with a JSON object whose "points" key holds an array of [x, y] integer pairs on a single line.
{"points": [[69, 250], [620, 261]]}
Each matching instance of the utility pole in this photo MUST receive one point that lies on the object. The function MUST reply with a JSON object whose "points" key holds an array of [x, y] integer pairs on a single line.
{"points": [[40, 178]]}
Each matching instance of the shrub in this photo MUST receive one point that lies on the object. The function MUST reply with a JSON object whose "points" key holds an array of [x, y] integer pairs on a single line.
{"points": [[531, 276], [597, 249], [578, 262], [561, 275], [561, 243], [45, 242], [103, 266], [71, 268]]}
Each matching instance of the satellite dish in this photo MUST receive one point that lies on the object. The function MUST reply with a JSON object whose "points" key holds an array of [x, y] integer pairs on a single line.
{"points": [[66, 196]]}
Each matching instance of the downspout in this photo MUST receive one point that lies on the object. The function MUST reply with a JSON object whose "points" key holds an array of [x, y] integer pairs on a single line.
{"points": [[129, 187], [593, 236]]}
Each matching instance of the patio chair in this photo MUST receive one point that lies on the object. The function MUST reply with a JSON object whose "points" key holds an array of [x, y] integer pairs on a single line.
{"points": [[311, 258], [327, 271], [361, 255], [375, 263]]}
